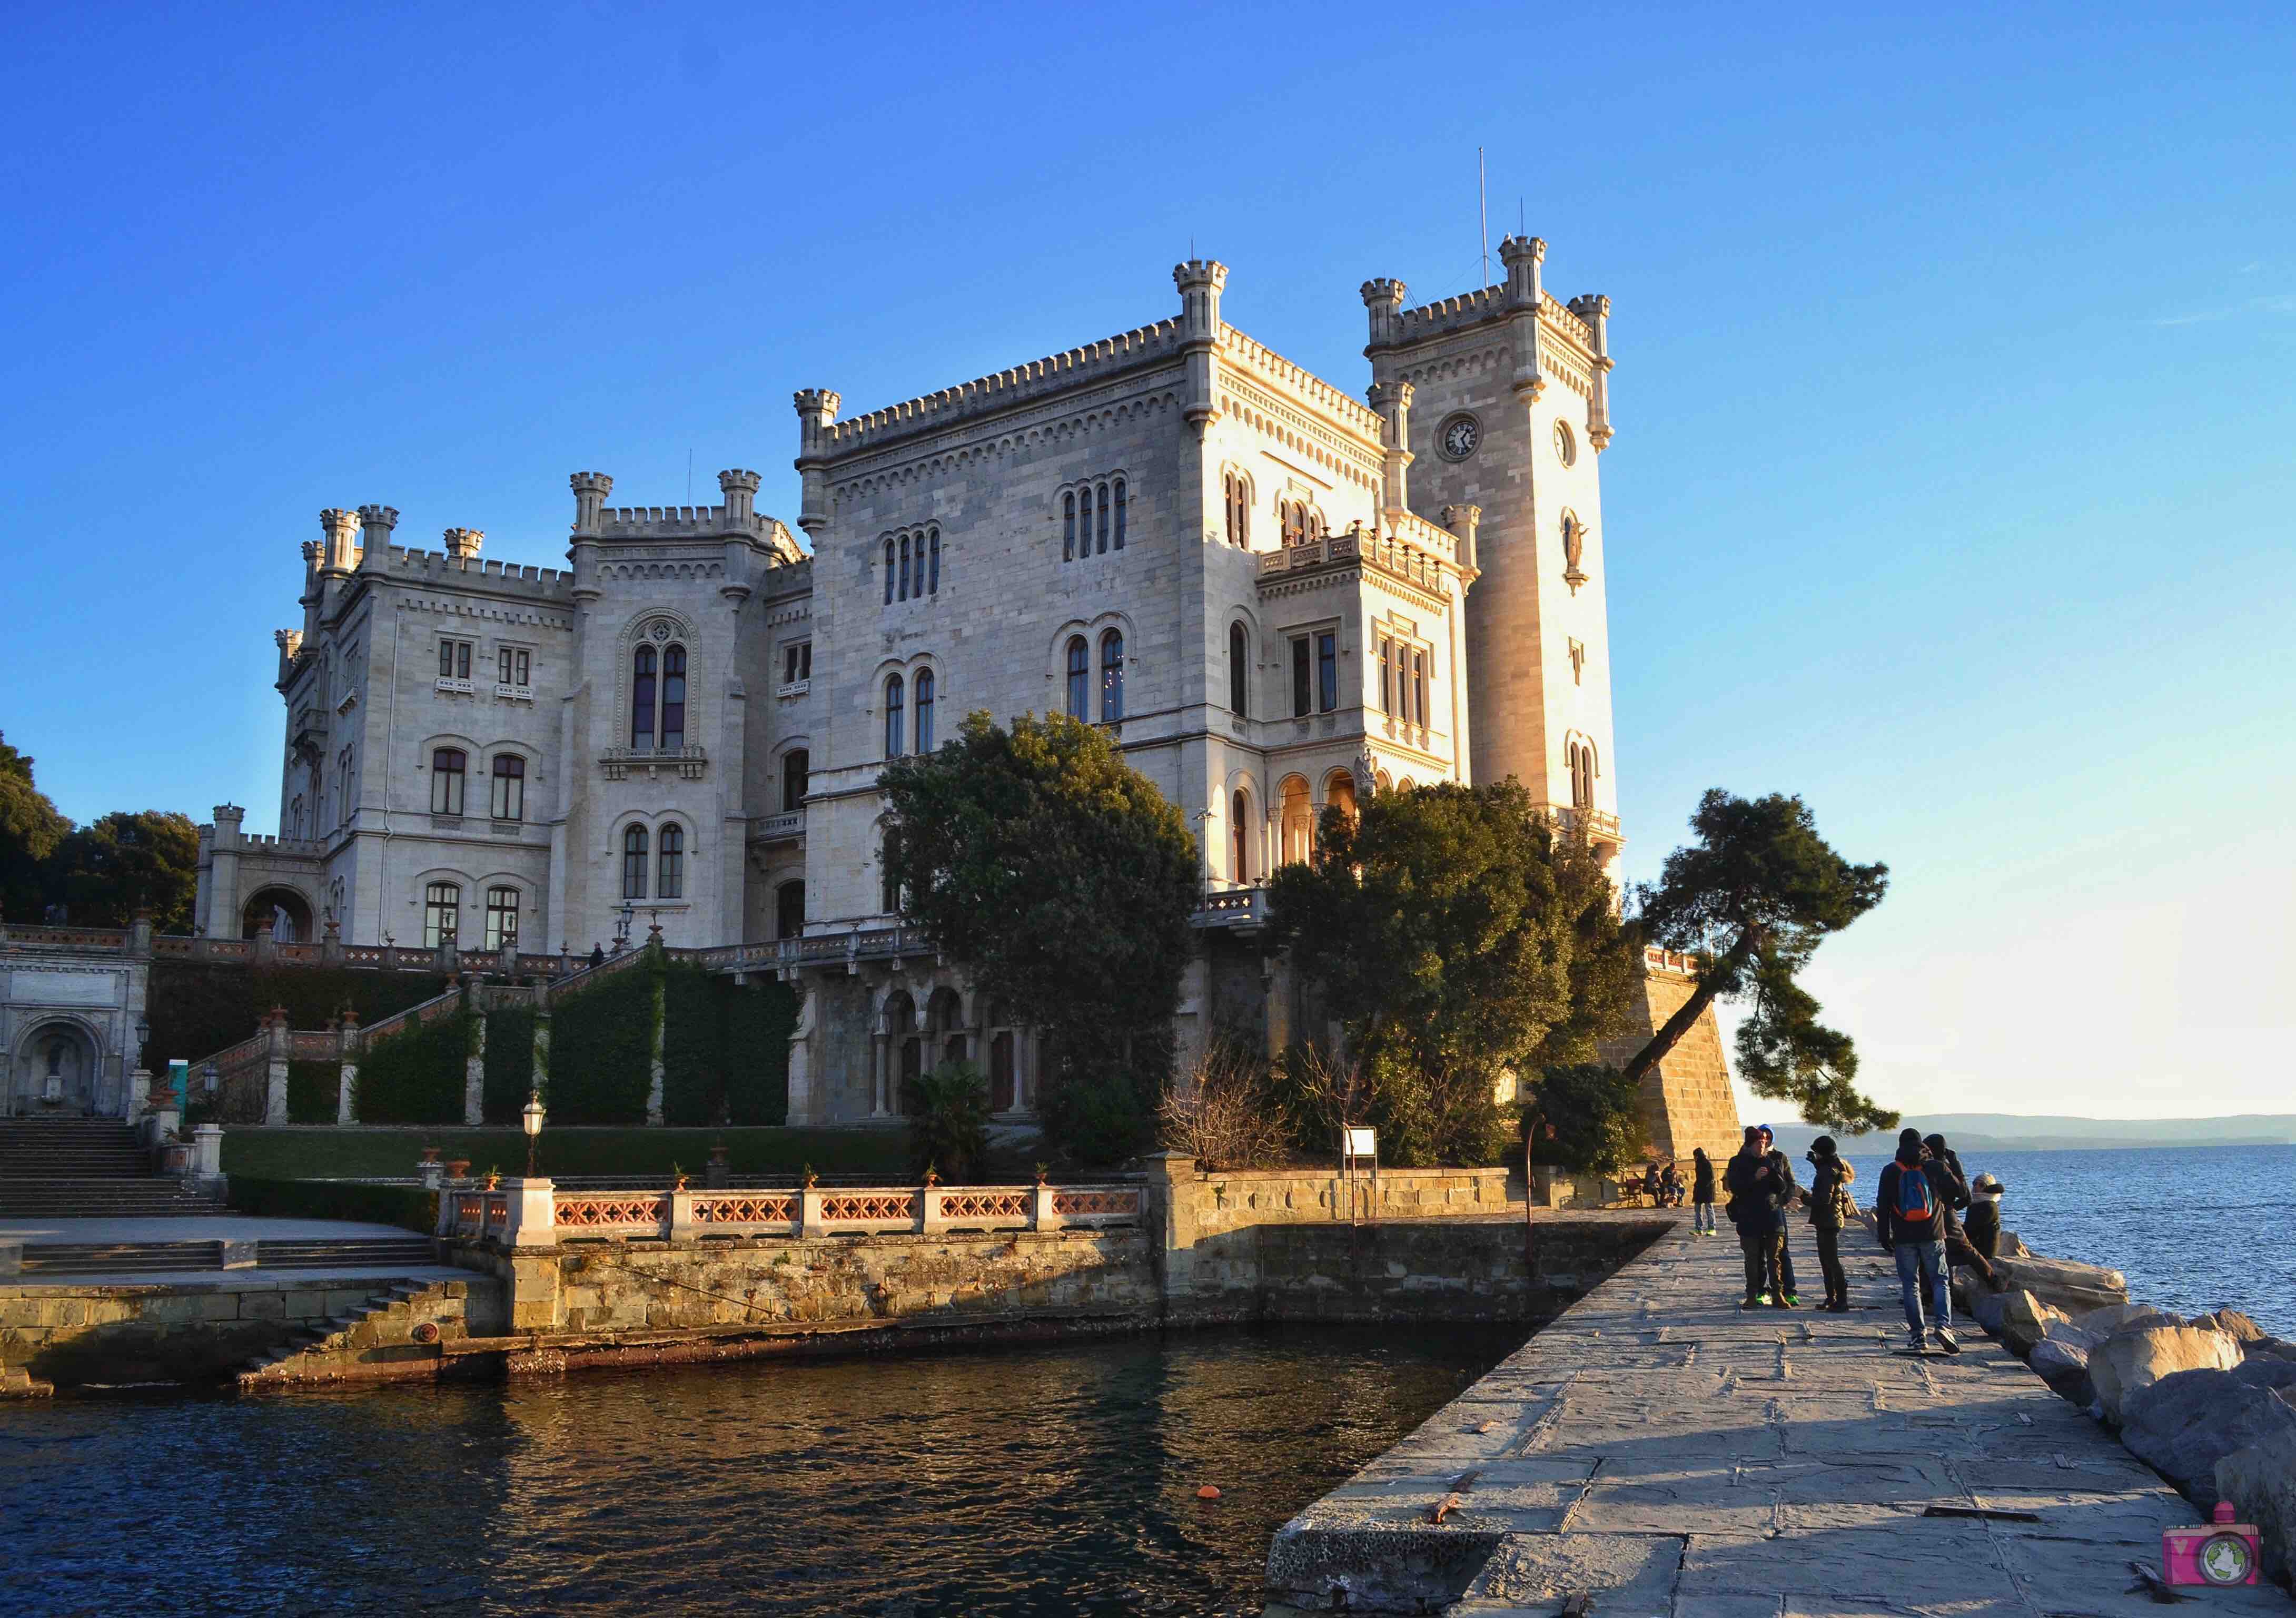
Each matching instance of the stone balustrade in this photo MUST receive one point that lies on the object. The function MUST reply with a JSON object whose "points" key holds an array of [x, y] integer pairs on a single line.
{"points": [[535, 1213]]}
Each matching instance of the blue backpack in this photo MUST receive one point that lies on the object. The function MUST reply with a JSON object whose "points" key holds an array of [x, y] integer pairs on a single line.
{"points": [[1916, 1201]]}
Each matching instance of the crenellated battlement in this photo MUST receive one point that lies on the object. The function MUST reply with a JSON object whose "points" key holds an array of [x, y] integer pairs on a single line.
{"points": [[1110, 357], [539, 582], [679, 522], [1446, 315], [1247, 354]]}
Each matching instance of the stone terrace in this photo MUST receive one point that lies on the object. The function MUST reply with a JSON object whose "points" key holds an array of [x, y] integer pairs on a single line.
{"points": [[1656, 1450]]}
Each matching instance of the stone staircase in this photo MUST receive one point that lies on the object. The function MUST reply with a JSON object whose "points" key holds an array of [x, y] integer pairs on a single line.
{"points": [[85, 1168], [398, 1317]]}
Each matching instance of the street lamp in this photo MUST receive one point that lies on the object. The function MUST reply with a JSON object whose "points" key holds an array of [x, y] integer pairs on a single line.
{"points": [[207, 1077], [143, 1038], [530, 1119]]}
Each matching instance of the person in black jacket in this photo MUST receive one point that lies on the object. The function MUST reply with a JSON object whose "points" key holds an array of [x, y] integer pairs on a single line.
{"points": [[1787, 1191], [1829, 1207], [1756, 1208], [1959, 1253], [1910, 1221], [1984, 1225], [1702, 1193]]}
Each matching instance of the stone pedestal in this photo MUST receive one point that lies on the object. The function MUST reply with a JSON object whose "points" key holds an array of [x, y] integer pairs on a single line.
{"points": [[533, 1216], [207, 1153]]}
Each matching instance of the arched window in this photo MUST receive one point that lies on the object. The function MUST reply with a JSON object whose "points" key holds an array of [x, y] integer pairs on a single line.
{"points": [[895, 712], [889, 573], [672, 884], [795, 765], [442, 914], [903, 593], [1239, 868], [673, 698], [1101, 547], [447, 781], [1080, 676], [1239, 671], [1340, 792], [932, 578], [925, 710], [501, 919], [1581, 758], [1120, 503], [510, 788], [641, 690], [1067, 528], [789, 910], [1298, 822], [1112, 677], [634, 863]]}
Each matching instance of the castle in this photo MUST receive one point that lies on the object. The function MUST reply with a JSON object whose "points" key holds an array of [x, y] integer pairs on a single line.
{"points": [[1272, 595]]}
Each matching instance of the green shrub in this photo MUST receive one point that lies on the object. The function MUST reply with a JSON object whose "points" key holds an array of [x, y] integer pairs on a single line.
{"points": [[510, 1063], [602, 1048], [879, 1154], [312, 1088], [1094, 1119], [1598, 1129], [407, 1206], [949, 1122], [759, 1019], [693, 1046], [416, 1075], [199, 1007]]}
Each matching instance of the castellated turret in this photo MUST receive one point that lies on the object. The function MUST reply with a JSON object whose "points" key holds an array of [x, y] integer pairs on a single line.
{"points": [[462, 544], [376, 523], [590, 491]]}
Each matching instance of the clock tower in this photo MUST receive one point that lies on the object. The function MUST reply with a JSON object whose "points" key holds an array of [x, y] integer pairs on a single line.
{"points": [[1510, 415]]}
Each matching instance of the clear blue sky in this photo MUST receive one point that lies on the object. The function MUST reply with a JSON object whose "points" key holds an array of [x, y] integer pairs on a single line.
{"points": [[1956, 456]]}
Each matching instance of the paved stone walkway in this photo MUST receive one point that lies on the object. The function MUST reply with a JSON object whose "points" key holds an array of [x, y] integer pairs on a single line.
{"points": [[1656, 1450]]}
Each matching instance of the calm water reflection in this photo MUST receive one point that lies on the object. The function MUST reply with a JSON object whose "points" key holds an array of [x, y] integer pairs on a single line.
{"points": [[1029, 1482]]}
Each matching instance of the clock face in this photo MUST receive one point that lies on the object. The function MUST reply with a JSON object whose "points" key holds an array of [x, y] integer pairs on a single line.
{"points": [[1565, 451], [1459, 437]]}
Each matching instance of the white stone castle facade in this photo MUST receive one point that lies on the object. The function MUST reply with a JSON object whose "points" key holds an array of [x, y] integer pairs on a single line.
{"points": [[1272, 594]]}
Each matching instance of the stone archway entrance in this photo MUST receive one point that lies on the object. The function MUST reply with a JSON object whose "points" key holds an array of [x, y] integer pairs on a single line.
{"points": [[279, 913], [54, 1072]]}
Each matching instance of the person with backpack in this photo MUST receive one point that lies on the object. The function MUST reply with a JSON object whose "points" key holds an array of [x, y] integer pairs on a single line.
{"points": [[1909, 1217], [1757, 1209], [1702, 1193], [1830, 1209]]}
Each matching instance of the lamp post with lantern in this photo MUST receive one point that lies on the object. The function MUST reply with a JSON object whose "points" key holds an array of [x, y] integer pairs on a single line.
{"points": [[530, 1119]]}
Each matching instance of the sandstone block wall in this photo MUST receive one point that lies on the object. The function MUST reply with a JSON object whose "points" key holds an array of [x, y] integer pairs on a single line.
{"points": [[1687, 1102]]}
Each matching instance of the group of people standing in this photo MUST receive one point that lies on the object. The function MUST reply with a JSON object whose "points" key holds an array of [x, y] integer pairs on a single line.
{"points": [[1927, 1214]]}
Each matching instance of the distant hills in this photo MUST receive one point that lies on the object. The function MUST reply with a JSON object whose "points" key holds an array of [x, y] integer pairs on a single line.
{"points": [[2008, 1132]]}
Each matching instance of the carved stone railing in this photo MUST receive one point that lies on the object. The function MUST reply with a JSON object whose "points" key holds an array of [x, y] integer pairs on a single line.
{"points": [[1235, 907], [779, 828], [533, 1213], [686, 762]]}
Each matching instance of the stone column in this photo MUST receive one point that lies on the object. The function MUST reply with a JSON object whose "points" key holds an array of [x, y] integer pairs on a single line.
{"points": [[681, 1216], [653, 1066], [207, 1153], [877, 1042], [347, 1051], [801, 1103], [474, 1065], [275, 1075], [931, 1219], [1171, 1220], [533, 1215], [1041, 1216], [541, 1078]]}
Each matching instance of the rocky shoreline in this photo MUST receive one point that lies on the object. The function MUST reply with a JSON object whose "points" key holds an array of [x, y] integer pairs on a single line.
{"points": [[2209, 1401]]}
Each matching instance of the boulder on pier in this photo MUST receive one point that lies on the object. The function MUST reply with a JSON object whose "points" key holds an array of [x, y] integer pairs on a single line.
{"points": [[2137, 1357], [2183, 1425], [2260, 1482]]}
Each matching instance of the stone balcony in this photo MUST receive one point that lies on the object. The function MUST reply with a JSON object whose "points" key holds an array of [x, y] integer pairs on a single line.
{"points": [[650, 763], [779, 828]]}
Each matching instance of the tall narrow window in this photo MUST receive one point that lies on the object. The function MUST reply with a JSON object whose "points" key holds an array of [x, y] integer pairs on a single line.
{"points": [[794, 766], [889, 573], [1067, 528], [1419, 686], [932, 580], [1121, 505], [1386, 674], [903, 593], [642, 679], [925, 710], [1240, 836], [1112, 677], [501, 919], [673, 698], [510, 788], [1080, 676], [672, 884], [447, 781], [442, 914], [1239, 677], [789, 909], [1302, 682], [1101, 546], [634, 863], [888, 888], [896, 711], [1327, 672]]}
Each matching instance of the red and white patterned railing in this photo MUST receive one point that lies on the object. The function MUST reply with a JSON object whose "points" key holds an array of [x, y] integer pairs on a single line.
{"points": [[534, 1214]]}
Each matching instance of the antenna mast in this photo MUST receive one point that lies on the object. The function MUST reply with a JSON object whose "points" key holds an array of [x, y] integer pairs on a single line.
{"points": [[1483, 215]]}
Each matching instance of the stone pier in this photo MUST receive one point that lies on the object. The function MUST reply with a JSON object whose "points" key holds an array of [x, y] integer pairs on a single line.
{"points": [[1656, 1450]]}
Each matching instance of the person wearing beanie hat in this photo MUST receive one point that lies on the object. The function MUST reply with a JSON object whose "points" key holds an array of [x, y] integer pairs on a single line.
{"points": [[1982, 1224], [1830, 1208]]}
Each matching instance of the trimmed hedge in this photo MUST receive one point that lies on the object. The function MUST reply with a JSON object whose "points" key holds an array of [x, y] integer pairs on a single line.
{"points": [[693, 1046], [510, 1063], [878, 1155], [199, 1007], [312, 1088], [757, 1023], [416, 1076], [725, 1049], [602, 1048], [408, 1207]]}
